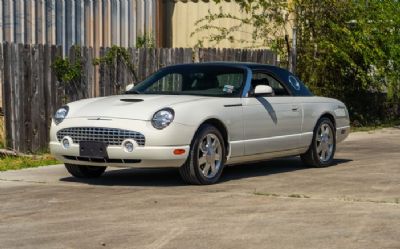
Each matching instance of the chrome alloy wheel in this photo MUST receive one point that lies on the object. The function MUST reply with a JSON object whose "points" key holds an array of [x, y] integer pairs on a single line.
{"points": [[325, 142], [210, 155]]}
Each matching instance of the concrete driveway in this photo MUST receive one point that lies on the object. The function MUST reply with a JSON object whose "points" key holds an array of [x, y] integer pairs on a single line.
{"points": [[275, 204]]}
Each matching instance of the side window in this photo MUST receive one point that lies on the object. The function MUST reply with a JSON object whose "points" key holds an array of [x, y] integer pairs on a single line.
{"points": [[260, 78], [218, 83], [230, 83], [200, 81], [170, 82], [235, 79]]}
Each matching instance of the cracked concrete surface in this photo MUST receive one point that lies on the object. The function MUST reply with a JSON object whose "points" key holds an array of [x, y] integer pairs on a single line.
{"points": [[274, 204]]}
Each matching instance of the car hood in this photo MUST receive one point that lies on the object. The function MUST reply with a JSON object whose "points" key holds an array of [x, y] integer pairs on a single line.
{"points": [[140, 107]]}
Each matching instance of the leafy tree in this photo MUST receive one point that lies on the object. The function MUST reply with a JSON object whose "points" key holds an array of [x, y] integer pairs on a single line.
{"points": [[348, 50], [147, 40], [345, 49], [117, 54], [268, 20], [114, 58]]}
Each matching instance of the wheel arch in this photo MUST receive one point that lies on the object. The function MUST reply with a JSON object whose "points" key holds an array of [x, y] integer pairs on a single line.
{"points": [[217, 123], [327, 115]]}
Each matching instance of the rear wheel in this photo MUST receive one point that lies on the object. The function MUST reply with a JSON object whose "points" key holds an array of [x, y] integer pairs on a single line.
{"points": [[206, 158], [83, 171], [323, 146]]}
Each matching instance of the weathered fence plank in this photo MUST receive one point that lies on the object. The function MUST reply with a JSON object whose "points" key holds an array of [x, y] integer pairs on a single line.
{"points": [[15, 94], [23, 98], [36, 87], [31, 92], [7, 97], [22, 102], [1, 80]]}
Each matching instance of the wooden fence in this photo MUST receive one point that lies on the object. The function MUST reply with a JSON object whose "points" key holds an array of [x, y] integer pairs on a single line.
{"points": [[31, 91]]}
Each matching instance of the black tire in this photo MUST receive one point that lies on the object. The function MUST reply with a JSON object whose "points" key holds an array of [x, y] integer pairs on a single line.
{"points": [[312, 157], [83, 171], [191, 171]]}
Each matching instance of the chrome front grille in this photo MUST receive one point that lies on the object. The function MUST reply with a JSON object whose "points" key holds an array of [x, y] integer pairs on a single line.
{"points": [[110, 136]]}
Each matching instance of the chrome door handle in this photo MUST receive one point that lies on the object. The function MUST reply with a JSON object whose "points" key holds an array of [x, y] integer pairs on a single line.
{"points": [[295, 108]]}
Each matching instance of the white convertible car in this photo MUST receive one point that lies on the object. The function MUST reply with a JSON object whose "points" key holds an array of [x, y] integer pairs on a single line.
{"points": [[200, 118]]}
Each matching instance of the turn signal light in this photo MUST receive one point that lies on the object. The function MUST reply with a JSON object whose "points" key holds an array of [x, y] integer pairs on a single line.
{"points": [[179, 151]]}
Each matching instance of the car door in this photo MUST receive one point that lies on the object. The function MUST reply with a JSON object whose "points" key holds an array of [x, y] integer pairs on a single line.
{"points": [[271, 123]]}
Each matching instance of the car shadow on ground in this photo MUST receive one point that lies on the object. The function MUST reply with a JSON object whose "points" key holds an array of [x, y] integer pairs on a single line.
{"points": [[167, 177], [271, 167]]}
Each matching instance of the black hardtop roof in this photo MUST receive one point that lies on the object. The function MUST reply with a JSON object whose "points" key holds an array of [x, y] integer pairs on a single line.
{"points": [[251, 65], [295, 85]]}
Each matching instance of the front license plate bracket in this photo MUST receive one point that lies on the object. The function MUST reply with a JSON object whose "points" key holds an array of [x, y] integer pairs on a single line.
{"points": [[93, 149]]}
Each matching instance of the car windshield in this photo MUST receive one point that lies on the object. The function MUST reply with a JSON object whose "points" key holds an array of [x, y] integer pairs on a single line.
{"points": [[203, 80]]}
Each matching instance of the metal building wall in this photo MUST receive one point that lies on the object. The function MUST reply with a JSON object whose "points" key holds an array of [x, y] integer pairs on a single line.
{"points": [[93, 23], [185, 13]]}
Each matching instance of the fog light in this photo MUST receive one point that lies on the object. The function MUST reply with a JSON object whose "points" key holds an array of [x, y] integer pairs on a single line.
{"points": [[129, 145], [66, 142]]}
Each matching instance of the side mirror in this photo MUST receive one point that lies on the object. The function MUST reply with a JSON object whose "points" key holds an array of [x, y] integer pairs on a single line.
{"points": [[128, 87], [263, 90]]}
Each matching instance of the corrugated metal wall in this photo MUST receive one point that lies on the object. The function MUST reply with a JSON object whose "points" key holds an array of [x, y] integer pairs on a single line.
{"points": [[93, 23]]}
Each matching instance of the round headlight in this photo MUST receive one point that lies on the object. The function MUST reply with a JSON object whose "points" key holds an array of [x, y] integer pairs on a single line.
{"points": [[163, 118], [60, 114]]}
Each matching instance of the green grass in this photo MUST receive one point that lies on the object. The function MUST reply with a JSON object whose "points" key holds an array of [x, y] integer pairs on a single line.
{"points": [[13, 163], [376, 127]]}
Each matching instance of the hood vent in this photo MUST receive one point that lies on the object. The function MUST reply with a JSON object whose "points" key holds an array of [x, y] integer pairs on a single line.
{"points": [[132, 100]]}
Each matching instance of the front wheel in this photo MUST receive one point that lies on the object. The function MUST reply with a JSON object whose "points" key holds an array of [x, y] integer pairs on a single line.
{"points": [[206, 158], [83, 171], [323, 146]]}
